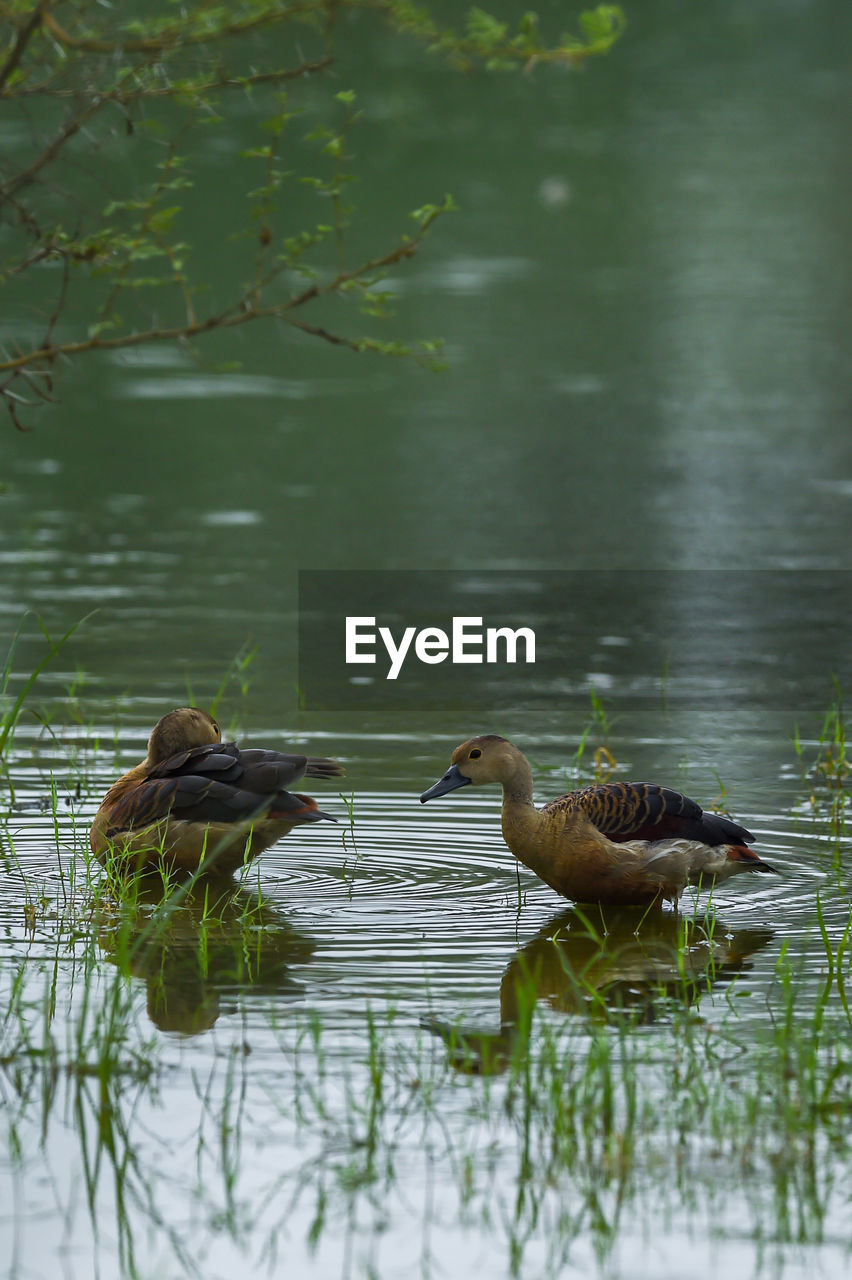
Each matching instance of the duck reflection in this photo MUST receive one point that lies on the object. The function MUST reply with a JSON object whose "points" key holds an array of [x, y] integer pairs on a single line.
{"points": [[604, 964], [198, 949]]}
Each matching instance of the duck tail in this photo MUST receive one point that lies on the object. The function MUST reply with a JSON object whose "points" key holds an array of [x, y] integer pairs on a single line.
{"points": [[322, 767], [742, 853], [290, 806]]}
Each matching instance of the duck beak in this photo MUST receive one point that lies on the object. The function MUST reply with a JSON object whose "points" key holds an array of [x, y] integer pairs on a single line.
{"points": [[451, 781]]}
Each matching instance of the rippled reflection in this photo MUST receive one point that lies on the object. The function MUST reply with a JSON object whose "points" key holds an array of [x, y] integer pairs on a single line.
{"points": [[218, 942], [609, 963]]}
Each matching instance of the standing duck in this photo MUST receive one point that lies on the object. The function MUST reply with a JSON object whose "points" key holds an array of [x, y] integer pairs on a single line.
{"points": [[620, 843], [195, 799]]}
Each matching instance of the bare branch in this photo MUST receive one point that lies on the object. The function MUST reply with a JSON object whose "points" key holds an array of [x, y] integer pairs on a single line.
{"points": [[72, 126], [60, 305], [251, 81], [22, 39], [317, 331]]}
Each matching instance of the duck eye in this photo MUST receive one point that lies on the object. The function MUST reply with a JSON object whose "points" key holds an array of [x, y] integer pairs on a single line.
{"points": [[474, 754]]}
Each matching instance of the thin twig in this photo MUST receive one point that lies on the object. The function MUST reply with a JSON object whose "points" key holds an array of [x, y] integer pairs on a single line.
{"points": [[22, 39], [239, 314], [169, 91], [176, 35], [71, 127]]}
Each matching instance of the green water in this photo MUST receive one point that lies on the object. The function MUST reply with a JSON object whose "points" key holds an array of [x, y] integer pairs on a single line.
{"points": [[644, 302]]}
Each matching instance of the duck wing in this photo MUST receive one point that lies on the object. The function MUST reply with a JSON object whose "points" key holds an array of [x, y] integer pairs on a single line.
{"points": [[219, 783], [307, 766], [644, 811]]}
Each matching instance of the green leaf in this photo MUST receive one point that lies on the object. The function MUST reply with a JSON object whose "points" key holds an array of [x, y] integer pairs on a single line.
{"points": [[484, 29], [275, 124], [163, 219], [601, 25]]}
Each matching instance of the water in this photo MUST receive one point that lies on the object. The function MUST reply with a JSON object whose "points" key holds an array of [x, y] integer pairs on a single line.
{"points": [[644, 309], [323, 1077]]}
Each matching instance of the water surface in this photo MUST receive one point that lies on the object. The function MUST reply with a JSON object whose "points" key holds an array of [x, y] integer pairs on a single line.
{"points": [[644, 304]]}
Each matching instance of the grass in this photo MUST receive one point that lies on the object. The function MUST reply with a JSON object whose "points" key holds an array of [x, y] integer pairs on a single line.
{"points": [[597, 728], [11, 708], [348, 840], [79, 1043], [831, 766], [589, 1123], [169, 1074], [590, 1117], [826, 770], [237, 672]]}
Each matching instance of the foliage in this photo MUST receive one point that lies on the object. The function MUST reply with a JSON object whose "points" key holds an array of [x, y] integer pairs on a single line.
{"points": [[114, 101], [827, 776], [11, 708]]}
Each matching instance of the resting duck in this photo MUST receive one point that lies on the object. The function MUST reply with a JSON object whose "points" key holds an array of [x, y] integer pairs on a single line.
{"points": [[195, 799], [625, 843]]}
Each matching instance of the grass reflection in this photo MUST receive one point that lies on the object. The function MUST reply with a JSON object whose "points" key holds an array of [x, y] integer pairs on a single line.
{"points": [[607, 1094], [189, 1085], [212, 940], [606, 964]]}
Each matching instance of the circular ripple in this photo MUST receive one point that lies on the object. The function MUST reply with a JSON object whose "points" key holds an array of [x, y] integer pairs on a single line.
{"points": [[405, 904]]}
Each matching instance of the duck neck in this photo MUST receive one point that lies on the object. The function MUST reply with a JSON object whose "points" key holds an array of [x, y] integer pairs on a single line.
{"points": [[520, 816], [526, 829], [518, 788]]}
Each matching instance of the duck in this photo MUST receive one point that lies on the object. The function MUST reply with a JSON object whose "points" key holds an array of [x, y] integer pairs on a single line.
{"points": [[618, 843], [198, 801]]}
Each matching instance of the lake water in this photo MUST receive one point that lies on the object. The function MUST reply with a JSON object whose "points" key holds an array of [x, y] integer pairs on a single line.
{"points": [[372, 1059]]}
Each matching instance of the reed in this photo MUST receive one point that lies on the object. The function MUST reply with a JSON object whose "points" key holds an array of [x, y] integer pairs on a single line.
{"points": [[706, 1097]]}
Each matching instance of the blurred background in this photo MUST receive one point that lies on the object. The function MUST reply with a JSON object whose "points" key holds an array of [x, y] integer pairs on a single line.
{"points": [[644, 297]]}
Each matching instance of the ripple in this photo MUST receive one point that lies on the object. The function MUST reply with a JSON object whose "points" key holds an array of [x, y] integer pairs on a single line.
{"points": [[407, 905], [395, 856], [190, 386], [231, 517]]}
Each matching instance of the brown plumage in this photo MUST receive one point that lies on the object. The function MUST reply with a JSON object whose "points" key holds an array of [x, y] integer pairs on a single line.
{"points": [[626, 843], [195, 799]]}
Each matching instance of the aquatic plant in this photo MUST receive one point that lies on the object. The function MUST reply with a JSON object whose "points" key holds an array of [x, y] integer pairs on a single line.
{"points": [[11, 708]]}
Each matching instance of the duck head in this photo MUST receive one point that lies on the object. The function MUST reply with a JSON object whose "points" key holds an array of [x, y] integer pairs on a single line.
{"points": [[488, 758], [180, 730]]}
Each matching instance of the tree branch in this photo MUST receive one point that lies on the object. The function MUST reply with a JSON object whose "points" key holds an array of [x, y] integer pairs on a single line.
{"points": [[190, 58], [249, 81], [317, 331], [239, 314], [72, 126], [176, 35], [22, 39]]}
